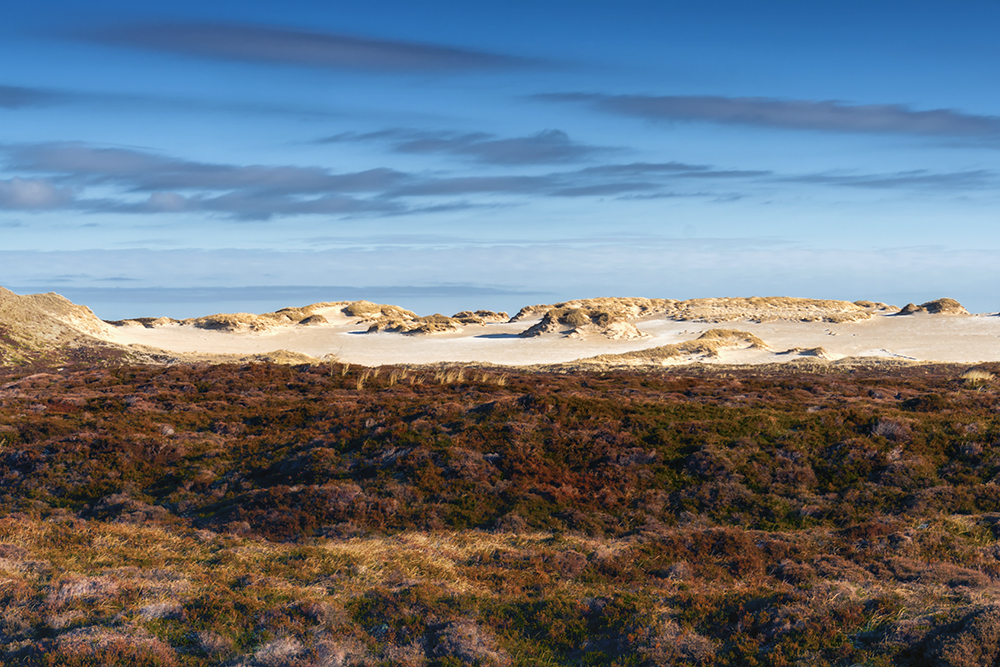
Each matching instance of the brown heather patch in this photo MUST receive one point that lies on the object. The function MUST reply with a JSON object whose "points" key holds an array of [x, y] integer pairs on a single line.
{"points": [[509, 598], [324, 514]]}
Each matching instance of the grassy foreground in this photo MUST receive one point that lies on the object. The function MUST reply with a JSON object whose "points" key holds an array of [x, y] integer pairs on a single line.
{"points": [[328, 515]]}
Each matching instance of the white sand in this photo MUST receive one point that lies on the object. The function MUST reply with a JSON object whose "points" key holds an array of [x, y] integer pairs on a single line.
{"points": [[920, 337]]}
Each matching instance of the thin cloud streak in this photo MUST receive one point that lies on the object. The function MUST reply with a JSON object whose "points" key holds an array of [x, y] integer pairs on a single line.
{"points": [[17, 97], [144, 172], [280, 45], [818, 115], [545, 147], [976, 179]]}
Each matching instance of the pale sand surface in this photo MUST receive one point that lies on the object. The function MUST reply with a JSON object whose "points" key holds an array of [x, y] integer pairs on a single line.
{"points": [[920, 337]]}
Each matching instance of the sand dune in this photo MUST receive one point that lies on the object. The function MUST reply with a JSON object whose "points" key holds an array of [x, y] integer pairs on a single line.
{"points": [[661, 332], [594, 333]]}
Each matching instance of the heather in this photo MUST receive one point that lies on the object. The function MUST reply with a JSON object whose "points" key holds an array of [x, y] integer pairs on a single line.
{"points": [[325, 514]]}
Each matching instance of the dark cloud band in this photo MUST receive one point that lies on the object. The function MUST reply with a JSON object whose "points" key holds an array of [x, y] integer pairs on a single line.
{"points": [[290, 46], [545, 147], [826, 116], [975, 179], [16, 97]]}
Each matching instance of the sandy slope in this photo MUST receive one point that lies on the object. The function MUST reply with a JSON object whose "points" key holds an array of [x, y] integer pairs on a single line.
{"points": [[920, 337]]}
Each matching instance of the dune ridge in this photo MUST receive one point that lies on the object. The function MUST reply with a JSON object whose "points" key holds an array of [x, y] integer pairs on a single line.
{"points": [[614, 317], [599, 332], [611, 317]]}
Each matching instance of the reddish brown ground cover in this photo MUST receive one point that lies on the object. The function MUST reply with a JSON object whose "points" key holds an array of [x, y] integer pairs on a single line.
{"points": [[741, 517]]}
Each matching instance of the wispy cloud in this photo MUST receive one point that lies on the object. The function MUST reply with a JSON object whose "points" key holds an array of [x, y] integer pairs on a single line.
{"points": [[598, 181], [605, 189], [545, 147], [83, 177], [63, 174], [463, 185], [916, 178], [820, 115], [282, 45], [174, 185], [672, 170], [143, 171], [16, 97], [33, 193], [245, 205]]}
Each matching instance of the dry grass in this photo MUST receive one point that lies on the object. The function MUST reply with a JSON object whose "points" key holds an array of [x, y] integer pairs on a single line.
{"points": [[96, 585], [709, 344], [450, 376], [362, 378], [977, 378]]}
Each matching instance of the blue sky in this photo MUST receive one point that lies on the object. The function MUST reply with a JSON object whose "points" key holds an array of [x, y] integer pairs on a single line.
{"points": [[445, 155]]}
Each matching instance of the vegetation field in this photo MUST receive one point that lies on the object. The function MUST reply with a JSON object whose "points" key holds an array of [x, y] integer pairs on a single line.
{"points": [[273, 515]]}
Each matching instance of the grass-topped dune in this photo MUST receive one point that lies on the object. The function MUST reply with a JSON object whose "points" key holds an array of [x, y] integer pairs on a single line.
{"points": [[936, 307], [49, 328]]}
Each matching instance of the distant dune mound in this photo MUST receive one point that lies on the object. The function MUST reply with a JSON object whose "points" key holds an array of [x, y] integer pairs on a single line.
{"points": [[366, 311], [937, 307], [578, 322], [285, 317], [608, 317], [231, 322], [481, 317], [316, 314], [399, 320], [707, 345], [771, 309], [623, 308], [379, 317], [413, 326], [146, 322]]}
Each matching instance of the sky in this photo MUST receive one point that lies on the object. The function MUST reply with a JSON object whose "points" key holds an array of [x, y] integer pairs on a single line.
{"points": [[221, 156]]}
